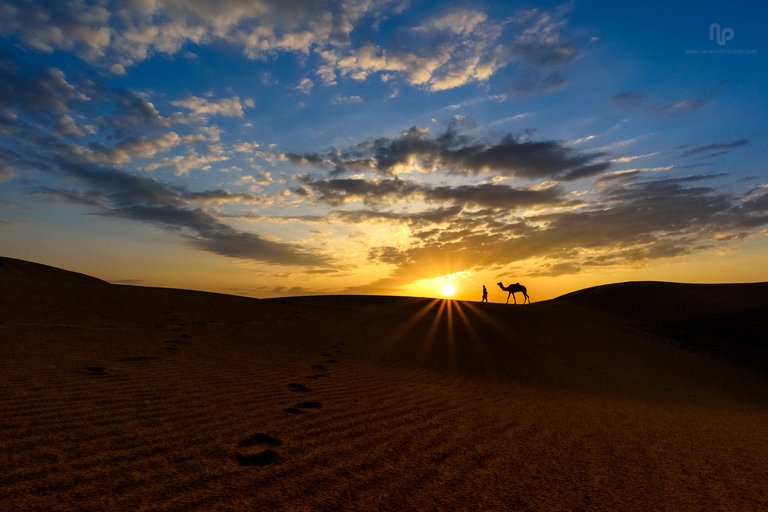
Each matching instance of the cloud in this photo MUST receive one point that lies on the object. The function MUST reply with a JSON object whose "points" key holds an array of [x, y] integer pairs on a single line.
{"points": [[65, 25], [119, 194], [136, 146], [756, 202], [90, 198], [719, 148], [245, 147], [182, 164], [6, 171], [421, 218], [681, 107], [460, 47], [135, 111], [534, 84], [220, 196], [348, 100], [555, 270], [337, 192], [495, 196], [91, 173], [66, 126], [629, 223], [120, 38], [542, 41], [461, 21], [629, 99], [201, 107], [43, 94], [625, 159], [455, 48], [460, 154], [305, 86]]}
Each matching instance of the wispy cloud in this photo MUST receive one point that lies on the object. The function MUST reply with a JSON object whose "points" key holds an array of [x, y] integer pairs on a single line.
{"points": [[719, 148], [681, 107], [625, 159]]}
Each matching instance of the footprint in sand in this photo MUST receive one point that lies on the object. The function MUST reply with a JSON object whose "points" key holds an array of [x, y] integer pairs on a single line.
{"points": [[317, 376], [260, 439], [299, 408], [262, 458], [91, 370], [301, 388], [318, 367], [330, 361], [308, 405]]}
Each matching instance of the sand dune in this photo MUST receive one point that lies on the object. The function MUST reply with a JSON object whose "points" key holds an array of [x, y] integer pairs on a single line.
{"points": [[635, 396]]}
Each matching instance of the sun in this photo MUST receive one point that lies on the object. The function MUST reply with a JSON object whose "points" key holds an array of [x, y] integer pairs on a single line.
{"points": [[448, 289]]}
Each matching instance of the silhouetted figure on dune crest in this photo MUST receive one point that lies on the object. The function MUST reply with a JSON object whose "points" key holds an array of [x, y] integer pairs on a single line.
{"points": [[517, 287], [485, 295]]}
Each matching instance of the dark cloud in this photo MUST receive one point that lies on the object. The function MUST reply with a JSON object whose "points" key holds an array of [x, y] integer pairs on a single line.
{"points": [[719, 148], [532, 84], [629, 99], [146, 200], [757, 202], [544, 42], [494, 195], [453, 152], [92, 198], [428, 217], [42, 93], [116, 193], [305, 159], [339, 191], [134, 111]]}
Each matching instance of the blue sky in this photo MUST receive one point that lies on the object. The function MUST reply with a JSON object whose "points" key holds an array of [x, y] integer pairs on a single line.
{"points": [[281, 148]]}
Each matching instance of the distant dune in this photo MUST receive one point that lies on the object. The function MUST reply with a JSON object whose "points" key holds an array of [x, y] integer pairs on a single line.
{"points": [[730, 320], [633, 396], [11, 267]]}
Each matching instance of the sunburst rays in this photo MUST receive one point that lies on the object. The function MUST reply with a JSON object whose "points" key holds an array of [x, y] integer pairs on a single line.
{"points": [[447, 333]]}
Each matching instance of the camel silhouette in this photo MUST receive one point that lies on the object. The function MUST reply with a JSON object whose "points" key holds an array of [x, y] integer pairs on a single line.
{"points": [[517, 287]]}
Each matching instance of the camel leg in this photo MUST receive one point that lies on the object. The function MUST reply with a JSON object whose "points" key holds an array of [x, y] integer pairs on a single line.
{"points": [[514, 298], [510, 293], [526, 298]]}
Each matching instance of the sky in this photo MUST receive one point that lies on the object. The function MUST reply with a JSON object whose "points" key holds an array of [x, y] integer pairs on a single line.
{"points": [[278, 148]]}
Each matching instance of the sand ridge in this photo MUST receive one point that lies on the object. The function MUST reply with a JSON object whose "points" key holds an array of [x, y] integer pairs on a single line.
{"points": [[131, 398]]}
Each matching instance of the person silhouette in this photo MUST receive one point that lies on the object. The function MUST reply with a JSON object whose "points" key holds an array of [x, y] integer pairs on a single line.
{"points": [[485, 294]]}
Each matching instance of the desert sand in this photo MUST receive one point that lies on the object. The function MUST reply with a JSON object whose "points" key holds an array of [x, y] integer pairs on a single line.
{"points": [[633, 396]]}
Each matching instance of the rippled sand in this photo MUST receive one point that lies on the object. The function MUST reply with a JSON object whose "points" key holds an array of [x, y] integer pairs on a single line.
{"points": [[130, 398]]}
